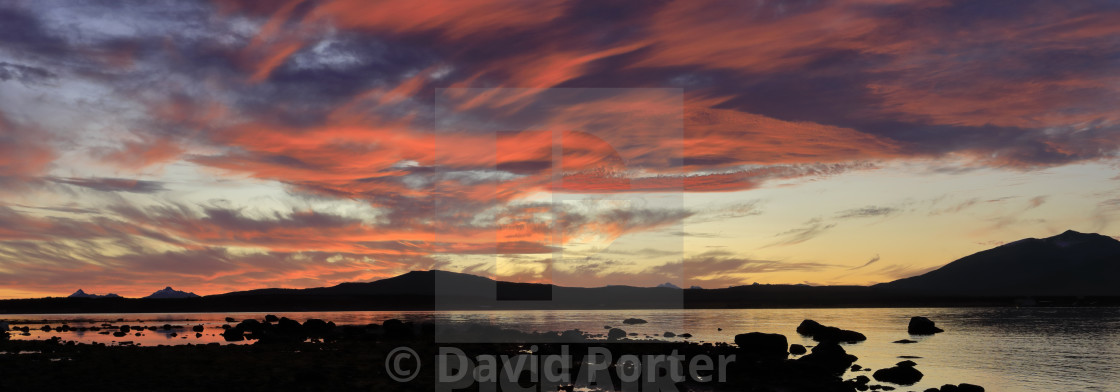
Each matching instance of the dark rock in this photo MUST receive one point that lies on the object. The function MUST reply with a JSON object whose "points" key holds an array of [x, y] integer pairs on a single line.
{"points": [[685, 335], [809, 327], [126, 329], [46, 328], [197, 334], [904, 341], [288, 324], [922, 326], [763, 346], [397, 329], [969, 388], [903, 373], [632, 321], [797, 349], [233, 334], [119, 334], [830, 357], [572, 336], [250, 325], [317, 327], [856, 368], [271, 318], [823, 333], [861, 379], [230, 320], [669, 335], [198, 328], [833, 334], [615, 334]]}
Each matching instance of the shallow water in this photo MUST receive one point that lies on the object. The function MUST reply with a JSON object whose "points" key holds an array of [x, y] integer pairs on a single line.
{"points": [[1002, 349]]}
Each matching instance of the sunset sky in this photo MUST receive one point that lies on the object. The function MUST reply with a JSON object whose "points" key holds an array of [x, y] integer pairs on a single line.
{"points": [[226, 145]]}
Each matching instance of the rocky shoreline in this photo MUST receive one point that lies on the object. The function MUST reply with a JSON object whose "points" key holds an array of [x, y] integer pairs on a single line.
{"points": [[320, 355]]}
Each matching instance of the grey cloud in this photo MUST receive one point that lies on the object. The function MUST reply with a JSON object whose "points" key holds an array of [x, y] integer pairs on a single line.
{"points": [[105, 184], [866, 212]]}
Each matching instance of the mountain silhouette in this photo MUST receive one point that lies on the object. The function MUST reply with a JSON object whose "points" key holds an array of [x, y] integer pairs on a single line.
{"points": [[1068, 264], [169, 292], [1069, 269], [83, 294], [443, 289]]}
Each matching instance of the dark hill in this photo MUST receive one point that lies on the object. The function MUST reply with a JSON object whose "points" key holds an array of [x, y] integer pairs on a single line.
{"points": [[1068, 264]]}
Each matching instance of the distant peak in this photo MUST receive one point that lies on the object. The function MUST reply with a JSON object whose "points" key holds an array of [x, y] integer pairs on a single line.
{"points": [[82, 294], [169, 292]]}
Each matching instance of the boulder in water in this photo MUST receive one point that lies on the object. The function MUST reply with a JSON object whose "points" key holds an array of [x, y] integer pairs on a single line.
{"points": [[615, 334], [824, 333], [763, 346], [830, 357], [922, 326], [632, 321], [903, 373], [797, 349]]}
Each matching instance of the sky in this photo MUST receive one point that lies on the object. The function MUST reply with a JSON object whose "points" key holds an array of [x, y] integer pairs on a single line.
{"points": [[226, 145]]}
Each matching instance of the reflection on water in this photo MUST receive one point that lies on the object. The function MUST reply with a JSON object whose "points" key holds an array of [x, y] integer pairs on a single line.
{"points": [[1003, 349]]}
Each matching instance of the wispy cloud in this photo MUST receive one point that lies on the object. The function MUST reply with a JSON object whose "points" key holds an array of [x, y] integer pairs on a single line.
{"points": [[113, 184], [868, 263], [866, 212], [812, 229]]}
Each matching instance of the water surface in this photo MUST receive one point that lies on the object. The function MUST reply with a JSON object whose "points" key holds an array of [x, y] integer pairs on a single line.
{"points": [[1002, 349]]}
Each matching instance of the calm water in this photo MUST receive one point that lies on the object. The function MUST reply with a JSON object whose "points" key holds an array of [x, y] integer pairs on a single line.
{"points": [[1003, 349]]}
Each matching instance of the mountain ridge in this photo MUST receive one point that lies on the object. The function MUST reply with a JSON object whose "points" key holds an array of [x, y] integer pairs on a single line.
{"points": [[1070, 263], [1068, 269], [82, 294], [169, 292]]}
